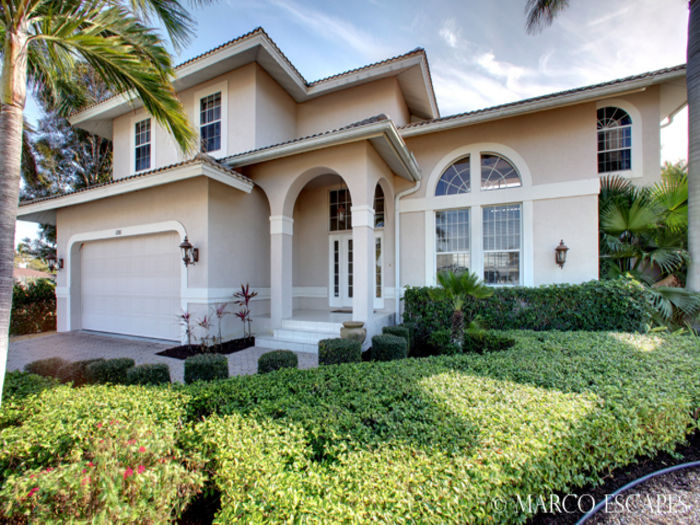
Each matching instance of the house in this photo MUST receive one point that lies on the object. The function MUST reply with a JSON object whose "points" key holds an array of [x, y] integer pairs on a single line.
{"points": [[329, 197]]}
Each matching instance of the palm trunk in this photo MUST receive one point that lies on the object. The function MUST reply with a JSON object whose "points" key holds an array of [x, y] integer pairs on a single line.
{"points": [[693, 85], [13, 88]]}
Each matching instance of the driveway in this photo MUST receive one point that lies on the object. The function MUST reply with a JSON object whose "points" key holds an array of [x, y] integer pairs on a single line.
{"points": [[76, 346]]}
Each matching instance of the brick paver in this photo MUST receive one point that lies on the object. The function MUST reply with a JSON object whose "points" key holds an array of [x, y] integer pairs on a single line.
{"points": [[75, 346]]}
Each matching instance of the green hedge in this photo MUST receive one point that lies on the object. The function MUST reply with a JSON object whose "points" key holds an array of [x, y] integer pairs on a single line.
{"points": [[399, 331], [205, 367], [387, 347], [444, 439], [612, 305], [48, 367], [19, 385], [76, 372], [109, 370], [271, 361], [336, 351], [148, 374], [33, 307], [481, 341]]}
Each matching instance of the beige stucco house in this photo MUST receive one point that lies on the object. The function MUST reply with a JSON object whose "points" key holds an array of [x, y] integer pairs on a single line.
{"points": [[329, 197]]}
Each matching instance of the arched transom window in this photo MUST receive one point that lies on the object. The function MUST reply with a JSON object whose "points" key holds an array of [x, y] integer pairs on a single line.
{"points": [[614, 140], [455, 179], [498, 173]]}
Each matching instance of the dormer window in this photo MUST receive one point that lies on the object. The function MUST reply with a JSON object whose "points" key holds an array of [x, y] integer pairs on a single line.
{"points": [[142, 145], [210, 122]]}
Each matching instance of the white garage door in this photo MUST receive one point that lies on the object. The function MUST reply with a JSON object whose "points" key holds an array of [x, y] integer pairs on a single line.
{"points": [[132, 285]]}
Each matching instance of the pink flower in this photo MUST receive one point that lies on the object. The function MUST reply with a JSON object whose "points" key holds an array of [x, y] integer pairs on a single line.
{"points": [[49, 469], [84, 470], [85, 480], [131, 442], [99, 425], [91, 464], [142, 449], [32, 476], [140, 469], [31, 492], [128, 472]]}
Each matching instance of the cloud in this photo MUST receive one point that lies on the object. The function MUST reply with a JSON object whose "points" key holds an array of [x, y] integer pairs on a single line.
{"points": [[449, 33]]}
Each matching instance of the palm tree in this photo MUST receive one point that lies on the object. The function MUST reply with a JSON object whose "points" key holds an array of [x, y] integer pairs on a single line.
{"points": [[458, 288], [541, 13], [42, 40]]}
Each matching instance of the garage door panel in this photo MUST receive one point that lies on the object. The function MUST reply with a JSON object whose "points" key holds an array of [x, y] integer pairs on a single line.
{"points": [[132, 286]]}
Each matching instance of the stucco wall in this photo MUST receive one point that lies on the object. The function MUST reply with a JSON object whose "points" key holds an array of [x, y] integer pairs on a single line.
{"points": [[275, 111]]}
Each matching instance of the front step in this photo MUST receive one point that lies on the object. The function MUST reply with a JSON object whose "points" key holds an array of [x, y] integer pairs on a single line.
{"points": [[299, 336]]}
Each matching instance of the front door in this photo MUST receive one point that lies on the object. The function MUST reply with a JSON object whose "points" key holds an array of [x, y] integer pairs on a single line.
{"points": [[340, 270]]}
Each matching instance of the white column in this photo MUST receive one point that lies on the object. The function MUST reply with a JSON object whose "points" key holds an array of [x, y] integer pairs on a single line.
{"points": [[281, 235], [363, 263]]}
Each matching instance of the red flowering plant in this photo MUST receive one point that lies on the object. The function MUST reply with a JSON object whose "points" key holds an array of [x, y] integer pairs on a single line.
{"points": [[186, 321], [243, 298], [220, 313]]}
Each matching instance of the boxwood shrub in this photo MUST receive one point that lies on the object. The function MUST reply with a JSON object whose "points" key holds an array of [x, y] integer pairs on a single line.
{"points": [[335, 351], [76, 371], [148, 374], [205, 367], [108, 370], [481, 341], [271, 361], [388, 347], [399, 331], [48, 367]]}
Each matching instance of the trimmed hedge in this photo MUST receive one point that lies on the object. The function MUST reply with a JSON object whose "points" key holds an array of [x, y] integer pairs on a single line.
{"points": [[336, 351], [48, 367], [440, 342], [481, 341], [271, 361], [399, 331], [19, 385], [33, 307], [76, 372], [205, 367], [109, 370], [148, 374], [387, 347]]}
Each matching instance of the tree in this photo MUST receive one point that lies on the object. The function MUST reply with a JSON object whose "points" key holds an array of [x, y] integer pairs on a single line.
{"points": [[41, 43], [458, 288], [540, 13]]}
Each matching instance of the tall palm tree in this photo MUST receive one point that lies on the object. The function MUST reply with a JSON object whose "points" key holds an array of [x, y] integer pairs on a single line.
{"points": [[41, 42], [540, 13]]}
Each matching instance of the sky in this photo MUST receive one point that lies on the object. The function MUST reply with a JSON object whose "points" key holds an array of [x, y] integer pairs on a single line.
{"points": [[479, 52]]}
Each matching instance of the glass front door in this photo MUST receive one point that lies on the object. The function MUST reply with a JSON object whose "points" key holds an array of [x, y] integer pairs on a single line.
{"points": [[341, 285]]}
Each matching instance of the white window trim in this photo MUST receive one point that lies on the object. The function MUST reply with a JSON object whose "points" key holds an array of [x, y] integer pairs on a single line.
{"points": [[637, 170], [205, 92], [132, 142], [521, 250]]}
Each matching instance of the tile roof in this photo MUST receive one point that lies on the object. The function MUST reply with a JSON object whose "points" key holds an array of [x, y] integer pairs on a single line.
{"points": [[199, 157], [648, 75], [416, 51]]}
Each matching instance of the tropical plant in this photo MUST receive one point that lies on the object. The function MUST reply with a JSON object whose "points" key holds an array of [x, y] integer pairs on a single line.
{"points": [[186, 321], [220, 312], [42, 41], [243, 298], [205, 324]]}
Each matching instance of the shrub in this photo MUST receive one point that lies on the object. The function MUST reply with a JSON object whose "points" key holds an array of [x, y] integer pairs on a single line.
{"points": [[482, 341], [48, 367], [271, 361], [205, 367], [22, 384], [389, 347], [399, 331], [75, 372], [109, 370], [336, 351], [441, 343], [33, 307], [149, 374]]}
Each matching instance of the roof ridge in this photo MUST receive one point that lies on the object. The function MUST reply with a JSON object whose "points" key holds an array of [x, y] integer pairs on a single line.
{"points": [[416, 51]]}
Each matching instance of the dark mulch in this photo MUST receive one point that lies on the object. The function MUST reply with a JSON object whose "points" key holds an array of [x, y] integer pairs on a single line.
{"points": [[202, 509], [227, 347], [621, 477]]}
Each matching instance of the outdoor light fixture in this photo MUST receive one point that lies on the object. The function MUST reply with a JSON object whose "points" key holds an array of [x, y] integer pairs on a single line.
{"points": [[560, 253], [54, 264], [190, 255]]}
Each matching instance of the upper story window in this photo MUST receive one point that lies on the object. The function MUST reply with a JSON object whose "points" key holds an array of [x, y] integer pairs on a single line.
{"points": [[498, 173], [378, 207], [614, 140], [210, 122], [340, 204], [142, 145], [455, 179]]}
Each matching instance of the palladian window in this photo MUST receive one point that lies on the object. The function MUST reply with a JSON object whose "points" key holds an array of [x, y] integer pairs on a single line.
{"points": [[498, 173], [455, 179]]}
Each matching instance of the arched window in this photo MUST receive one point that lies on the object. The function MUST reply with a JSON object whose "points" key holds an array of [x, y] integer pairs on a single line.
{"points": [[498, 173], [614, 140], [378, 207], [455, 179]]}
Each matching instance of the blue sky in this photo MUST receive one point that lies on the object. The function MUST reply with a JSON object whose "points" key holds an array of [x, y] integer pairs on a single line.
{"points": [[478, 50]]}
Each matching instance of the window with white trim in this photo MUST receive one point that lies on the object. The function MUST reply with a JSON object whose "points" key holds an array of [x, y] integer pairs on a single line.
{"points": [[339, 213], [498, 173], [502, 227], [614, 140], [142, 145], [210, 122], [455, 179], [452, 240], [378, 207]]}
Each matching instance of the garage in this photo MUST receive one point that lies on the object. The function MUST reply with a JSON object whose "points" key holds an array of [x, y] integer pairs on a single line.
{"points": [[131, 286]]}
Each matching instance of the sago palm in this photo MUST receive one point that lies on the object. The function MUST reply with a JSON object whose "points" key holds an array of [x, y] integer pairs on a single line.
{"points": [[42, 40], [458, 288]]}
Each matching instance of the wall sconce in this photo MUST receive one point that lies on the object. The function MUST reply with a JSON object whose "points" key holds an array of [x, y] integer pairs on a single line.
{"points": [[54, 264], [190, 255], [560, 254]]}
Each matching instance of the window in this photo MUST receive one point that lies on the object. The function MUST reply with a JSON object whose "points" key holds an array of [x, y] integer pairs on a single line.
{"points": [[614, 140], [142, 145], [502, 227], [455, 179], [497, 173], [452, 240], [210, 122], [340, 204], [378, 207], [378, 267]]}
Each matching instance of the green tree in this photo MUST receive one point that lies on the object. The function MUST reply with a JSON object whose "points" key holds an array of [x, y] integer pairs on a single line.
{"points": [[42, 40], [541, 13], [458, 288]]}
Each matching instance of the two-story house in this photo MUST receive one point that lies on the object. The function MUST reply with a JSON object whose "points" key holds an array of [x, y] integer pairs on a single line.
{"points": [[329, 197]]}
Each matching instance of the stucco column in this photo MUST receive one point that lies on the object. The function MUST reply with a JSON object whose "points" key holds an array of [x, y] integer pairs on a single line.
{"points": [[363, 263], [281, 231]]}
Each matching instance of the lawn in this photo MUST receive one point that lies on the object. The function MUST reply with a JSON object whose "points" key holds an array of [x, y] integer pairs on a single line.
{"points": [[433, 440]]}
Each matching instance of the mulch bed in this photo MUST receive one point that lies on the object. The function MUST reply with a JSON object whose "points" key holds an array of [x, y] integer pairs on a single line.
{"points": [[227, 347], [621, 477]]}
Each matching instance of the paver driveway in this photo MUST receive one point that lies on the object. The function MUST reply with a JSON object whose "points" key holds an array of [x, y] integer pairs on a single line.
{"points": [[75, 346]]}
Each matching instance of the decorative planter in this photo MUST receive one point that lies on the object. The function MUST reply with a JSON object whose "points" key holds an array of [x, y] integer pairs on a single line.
{"points": [[354, 330]]}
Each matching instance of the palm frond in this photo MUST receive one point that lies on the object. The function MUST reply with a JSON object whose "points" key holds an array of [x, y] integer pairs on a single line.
{"points": [[667, 300], [540, 13]]}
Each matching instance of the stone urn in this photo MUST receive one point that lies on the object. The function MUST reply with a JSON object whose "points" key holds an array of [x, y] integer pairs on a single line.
{"points": [[353, 330]]}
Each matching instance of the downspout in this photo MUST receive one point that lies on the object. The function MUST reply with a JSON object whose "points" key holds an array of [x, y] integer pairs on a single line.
{"points": [[397, 246], [671, 116]]}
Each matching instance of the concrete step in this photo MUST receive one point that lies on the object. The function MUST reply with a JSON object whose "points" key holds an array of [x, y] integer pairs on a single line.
{"points": [[274, 343], [313, 326], [302, 336]]}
